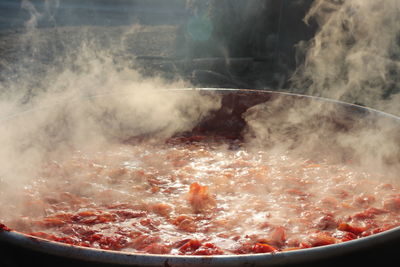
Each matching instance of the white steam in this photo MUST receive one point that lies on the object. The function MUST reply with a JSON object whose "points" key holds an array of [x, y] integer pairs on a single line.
{"points": [[70, 89], [354, 55]]}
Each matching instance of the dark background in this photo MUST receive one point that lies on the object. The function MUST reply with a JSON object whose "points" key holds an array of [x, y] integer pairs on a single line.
{"points": [[251, 43]]}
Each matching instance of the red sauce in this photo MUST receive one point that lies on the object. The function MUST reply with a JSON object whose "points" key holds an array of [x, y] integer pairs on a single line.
{"points": [[202, 196], [4, 228]]}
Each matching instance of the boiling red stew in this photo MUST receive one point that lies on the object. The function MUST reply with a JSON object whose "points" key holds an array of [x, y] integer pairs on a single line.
{"points": [[204, 196]]}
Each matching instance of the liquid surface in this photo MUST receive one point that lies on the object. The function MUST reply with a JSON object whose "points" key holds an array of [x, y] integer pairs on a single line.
{"points": [[203, 196]]}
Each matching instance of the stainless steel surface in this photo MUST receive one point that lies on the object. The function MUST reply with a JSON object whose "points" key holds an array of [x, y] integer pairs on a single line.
{"points": [[271, 259]]}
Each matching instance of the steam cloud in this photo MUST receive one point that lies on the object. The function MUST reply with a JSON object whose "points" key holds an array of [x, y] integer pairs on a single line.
{"points": [[69, 91], [354, 56]]}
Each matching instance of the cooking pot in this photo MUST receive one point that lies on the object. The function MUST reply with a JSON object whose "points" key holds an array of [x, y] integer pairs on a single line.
{"points": [[20, 249]]}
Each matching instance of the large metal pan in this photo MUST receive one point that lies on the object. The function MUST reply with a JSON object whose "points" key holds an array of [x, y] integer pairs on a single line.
{"points": [[17, 248]]}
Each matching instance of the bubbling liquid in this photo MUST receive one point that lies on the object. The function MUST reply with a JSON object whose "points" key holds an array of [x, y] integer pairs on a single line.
{"points": [[203, 196]]}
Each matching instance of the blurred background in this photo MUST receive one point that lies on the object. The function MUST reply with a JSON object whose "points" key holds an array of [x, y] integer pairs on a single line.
{"points": [[344, 50], [209, 43]]}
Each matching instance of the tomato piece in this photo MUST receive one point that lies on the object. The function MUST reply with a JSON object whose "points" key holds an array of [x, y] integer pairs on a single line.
{"points": [[150, 224], [244, 248], [369, 213], [94, 237], [305, 245], [67, 217], [126, 214], [180, 243], [199, 198], [105, 218], [154, 189], [52, 222], [364, 200], [4, 228], [87, 213], [327, 222], [187, 225], [43, 235], [190, 246], [208, 249], [392, 204], [179, 163], [278, 236], [66, 240], [352, 229], [83, 244], [263, 248], [161, 209], [322, 239], [143, 241], [344, 236], [294, 191], [384, 228], [113, 242], [157, 248]]}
